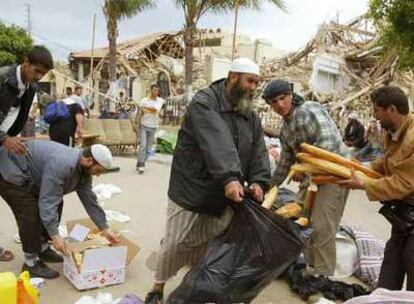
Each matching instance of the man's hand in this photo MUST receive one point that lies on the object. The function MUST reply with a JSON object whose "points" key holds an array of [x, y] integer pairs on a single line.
{"points": [[15, 145], [257, 192], [299, 176], [59, 244], [110, 236], [234, 191], [355, 182]]}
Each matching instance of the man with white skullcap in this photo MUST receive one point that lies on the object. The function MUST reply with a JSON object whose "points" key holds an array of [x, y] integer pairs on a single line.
{"points": [[33, 185], [220, 147]]}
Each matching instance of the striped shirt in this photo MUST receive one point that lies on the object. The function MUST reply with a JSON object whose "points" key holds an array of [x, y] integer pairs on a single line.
{"points": [[308, 123]]}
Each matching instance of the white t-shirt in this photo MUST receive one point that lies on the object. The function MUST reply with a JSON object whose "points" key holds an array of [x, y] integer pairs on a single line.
{"points": [[150, 120], [10, 119], [78, 100]]}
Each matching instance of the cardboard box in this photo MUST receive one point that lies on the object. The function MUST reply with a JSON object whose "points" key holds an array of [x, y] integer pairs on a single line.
{"points": [[103, 263]]}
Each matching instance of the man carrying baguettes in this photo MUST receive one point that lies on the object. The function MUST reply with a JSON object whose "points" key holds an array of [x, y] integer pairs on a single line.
{"points": [[396, 189], [308, 122]]}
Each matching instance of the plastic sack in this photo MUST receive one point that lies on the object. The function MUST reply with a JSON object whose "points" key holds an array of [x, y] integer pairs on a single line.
{"points": [[257, 247], [106, 191]]}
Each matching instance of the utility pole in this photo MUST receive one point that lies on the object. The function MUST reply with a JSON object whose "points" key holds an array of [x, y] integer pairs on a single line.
{"points": [[235, 30], [29, 21], [91, 64]]}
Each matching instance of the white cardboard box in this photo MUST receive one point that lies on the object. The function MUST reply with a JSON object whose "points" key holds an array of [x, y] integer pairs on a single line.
{"points": [[103, 264]]}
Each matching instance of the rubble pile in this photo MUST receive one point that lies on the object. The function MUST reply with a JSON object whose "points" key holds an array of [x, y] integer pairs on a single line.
{"points": [[339, 67]]}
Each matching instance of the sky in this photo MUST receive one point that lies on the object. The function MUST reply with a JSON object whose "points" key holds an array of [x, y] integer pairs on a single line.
{"points": [[66, 26]]}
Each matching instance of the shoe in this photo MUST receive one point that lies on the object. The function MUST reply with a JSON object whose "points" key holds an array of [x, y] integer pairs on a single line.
{"points": [[140, 170], [154, 297], [50, 256], [40, 270]]}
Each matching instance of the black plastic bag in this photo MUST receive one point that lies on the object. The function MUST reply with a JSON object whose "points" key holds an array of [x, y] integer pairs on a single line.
{"points": [[257, 247]]}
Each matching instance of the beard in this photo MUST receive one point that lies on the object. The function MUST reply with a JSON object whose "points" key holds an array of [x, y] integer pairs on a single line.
{"points": [[241, 100], [386, 126]]}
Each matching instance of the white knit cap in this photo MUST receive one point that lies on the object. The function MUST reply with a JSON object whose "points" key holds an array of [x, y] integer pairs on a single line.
{"points": [[102, 155], [245, 65]]}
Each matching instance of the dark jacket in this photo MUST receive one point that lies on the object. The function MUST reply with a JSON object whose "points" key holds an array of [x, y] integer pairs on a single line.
{"points": [[355, 133], [9, 92], [216, 145]]}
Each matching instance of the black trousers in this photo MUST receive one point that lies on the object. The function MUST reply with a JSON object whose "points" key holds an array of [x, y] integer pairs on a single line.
{"points": [[398, 262], [64, 139], [24, 203]]}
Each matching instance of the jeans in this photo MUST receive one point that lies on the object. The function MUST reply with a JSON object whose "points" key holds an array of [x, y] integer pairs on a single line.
{"points": [[147, 136], [366, 152]]}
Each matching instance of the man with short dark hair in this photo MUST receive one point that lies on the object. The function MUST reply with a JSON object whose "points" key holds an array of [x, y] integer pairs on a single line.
{"points": [[308, 122], [220, 147], [396, 189], [149, 108], [67, 130], [17, 91], [69, 91], [33, 185], [77, 97], [354, 132]]}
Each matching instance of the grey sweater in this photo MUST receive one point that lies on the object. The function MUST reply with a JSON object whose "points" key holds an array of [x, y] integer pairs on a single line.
{"points": [[55, 170]]}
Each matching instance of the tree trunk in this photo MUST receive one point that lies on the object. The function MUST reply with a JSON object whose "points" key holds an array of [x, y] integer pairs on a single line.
{"points": [[189, 44], [112, 34]]}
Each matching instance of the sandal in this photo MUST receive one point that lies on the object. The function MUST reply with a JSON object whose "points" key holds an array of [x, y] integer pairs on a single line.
{"points": [[6, 255]]}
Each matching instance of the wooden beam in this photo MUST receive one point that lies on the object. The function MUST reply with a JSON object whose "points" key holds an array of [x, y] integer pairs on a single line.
{"points": [[341, 27]]}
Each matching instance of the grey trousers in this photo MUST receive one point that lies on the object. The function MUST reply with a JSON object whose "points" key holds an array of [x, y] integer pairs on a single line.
{"points": [[326, 214], [186, 237]]}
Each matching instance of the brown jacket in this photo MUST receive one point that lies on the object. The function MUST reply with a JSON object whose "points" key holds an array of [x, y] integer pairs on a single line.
{"points": [[397, 165]]}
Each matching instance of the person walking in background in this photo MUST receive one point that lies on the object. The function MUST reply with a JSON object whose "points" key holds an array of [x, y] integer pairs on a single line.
{"points": [[150, 108], [354, 132], [66, 131], [372, 149]]}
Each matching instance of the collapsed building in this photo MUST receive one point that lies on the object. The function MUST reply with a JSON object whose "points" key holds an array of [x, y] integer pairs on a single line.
{"points": [[339, 67]]}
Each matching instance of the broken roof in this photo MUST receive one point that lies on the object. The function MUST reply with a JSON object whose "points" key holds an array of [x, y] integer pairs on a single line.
{"points": [[132, 49]]}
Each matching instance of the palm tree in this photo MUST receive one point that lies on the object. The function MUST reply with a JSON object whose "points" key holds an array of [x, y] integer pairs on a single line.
{"points": [[116, 10], [194, 9]]}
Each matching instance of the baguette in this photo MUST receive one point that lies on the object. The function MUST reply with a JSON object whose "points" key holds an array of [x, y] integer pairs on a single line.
{"points": [[270, 198], [329, 156], [325, 179], [325, 165]]}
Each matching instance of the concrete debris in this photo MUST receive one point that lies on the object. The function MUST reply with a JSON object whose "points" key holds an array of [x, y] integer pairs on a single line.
{"points": [[339, 67]]}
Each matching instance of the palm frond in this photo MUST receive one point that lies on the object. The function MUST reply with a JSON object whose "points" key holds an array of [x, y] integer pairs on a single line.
{"points": [[119, 9]]}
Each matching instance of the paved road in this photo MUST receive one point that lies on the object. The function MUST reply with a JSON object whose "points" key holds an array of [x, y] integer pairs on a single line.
{"points": [[144, 200]]}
